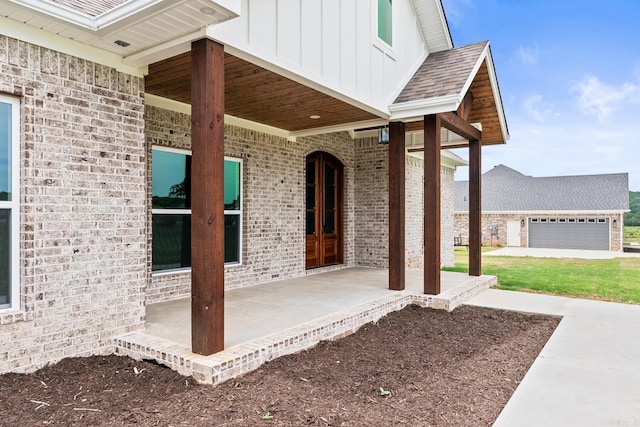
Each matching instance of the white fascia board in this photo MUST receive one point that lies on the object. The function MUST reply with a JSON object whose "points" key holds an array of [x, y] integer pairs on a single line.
{"points": [[277, 66], [445, 24], [339, 128], [132, 13], [416, 110], [496, 93], [454, 158], [26, 33], [181, 107], [58, 11], [445, 162], [474, 71]]}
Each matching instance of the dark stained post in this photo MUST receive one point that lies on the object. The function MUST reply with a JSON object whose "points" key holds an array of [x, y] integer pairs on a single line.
{"points": [[432, 204], [475, 209], [396, 205], [207, 191]]}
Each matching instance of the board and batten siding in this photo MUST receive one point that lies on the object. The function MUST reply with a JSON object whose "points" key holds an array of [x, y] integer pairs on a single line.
{"points": [[332, 43]]}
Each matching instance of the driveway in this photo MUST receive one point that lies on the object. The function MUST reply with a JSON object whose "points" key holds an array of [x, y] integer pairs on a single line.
{"points": [[560, 253]]}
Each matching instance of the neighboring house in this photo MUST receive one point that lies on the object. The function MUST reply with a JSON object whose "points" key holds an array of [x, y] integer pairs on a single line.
{"points": [[152, 150], [566, 212]]}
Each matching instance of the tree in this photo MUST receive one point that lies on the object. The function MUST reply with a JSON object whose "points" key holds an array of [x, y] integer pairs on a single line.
{"points": [[633, 217]]}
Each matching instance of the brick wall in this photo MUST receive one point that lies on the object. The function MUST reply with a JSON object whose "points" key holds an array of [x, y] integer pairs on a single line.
{"points": [[372, 207], [274, 189], [461, 227], [273, 212], [83, 249]]}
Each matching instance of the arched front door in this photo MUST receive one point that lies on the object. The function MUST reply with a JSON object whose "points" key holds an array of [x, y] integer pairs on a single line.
{"points": [[324, 213]]}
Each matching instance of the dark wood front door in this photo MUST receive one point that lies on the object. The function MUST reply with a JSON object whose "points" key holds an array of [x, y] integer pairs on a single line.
{"points": [[324, 215]]}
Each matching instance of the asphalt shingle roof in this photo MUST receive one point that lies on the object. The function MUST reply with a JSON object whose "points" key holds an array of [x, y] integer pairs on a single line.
{"points": [[442, 73], [505, 189]]}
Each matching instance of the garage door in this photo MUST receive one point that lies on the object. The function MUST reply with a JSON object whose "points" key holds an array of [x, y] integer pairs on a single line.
{"points": [[569, 233]]}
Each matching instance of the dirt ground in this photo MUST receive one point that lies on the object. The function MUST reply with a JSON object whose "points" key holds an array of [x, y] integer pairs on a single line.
{"points": [[415, 367]]}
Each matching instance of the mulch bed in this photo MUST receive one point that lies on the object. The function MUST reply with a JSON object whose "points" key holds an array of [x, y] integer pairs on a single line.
{"points": [[415, 367]]}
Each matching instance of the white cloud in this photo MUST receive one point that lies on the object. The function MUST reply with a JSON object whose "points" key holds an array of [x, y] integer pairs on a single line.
{"points": [[601, 99], [528, 55], [536, 107]]}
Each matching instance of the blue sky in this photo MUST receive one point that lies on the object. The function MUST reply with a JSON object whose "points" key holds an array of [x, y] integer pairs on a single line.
{"points": [[569, 74]]}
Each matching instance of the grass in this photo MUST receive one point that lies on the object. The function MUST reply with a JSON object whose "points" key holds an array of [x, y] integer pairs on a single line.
{"points": [[615, 280], [632, 234]]}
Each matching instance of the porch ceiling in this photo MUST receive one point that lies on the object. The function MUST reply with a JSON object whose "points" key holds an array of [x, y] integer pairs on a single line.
{"points": [[256, 94]]}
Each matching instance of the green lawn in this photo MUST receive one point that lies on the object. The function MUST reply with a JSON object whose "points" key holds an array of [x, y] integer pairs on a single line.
{"points": [[632, 234], [609, 280]]}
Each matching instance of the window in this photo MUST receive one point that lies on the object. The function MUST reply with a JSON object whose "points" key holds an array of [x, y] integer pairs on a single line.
{"points": [[602, 220], [9, 202], [385, 20], [171, 204]]}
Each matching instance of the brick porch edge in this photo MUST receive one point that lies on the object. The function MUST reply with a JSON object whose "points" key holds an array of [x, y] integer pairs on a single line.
{"points": [[246, 357]]}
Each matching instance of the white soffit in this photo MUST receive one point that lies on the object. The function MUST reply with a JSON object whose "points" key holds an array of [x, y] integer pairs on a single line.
{"points": [[140, 23], [434, 25]]}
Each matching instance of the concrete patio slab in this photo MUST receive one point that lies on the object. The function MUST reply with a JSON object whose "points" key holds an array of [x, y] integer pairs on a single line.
{"points": [[273, 319], [588, 373]]}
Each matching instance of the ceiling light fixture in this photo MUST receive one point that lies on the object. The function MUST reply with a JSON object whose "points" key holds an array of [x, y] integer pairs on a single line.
{"points": [[314, 116], [207, 11], [122, 43]]}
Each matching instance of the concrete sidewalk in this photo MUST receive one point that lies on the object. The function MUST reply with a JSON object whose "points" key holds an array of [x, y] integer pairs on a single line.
{"points": [[560, 253], [588, 373]]}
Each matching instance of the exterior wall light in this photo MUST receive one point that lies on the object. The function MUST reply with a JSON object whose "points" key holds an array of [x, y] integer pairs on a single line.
{"points": [[383, 135]]}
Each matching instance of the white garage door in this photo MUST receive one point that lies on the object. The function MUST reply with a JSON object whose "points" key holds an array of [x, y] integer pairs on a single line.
{"points": [[569, 233]]}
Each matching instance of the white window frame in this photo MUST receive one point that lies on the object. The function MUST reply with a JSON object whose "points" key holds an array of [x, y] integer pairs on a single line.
{"points": [[13, 206], [377, 41], [238, 213]]}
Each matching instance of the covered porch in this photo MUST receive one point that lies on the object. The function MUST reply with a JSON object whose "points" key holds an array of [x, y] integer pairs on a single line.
{"points": [[270, 320]]}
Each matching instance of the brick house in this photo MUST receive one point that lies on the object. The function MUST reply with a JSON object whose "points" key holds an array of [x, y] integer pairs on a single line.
{"points": [[564, 212], [156, 150]]}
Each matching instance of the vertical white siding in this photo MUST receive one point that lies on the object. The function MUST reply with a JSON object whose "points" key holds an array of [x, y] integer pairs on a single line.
{"points": [[289, 36], [311, 37], [263, 25], [363, 48], [331, 40], [333, 43], [348, 44]]}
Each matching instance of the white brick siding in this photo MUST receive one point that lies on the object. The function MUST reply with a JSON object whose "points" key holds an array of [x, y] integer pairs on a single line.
{"points": [[83, 251], [274, 188]]}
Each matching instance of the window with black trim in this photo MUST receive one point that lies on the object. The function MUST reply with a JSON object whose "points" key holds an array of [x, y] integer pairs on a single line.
{"points": [[385, 21], [9, 202], [171, 207]]}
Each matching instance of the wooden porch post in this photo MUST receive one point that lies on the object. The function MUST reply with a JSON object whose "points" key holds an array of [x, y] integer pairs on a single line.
{"points": [[432, 204], [207, 202], [396, 206], [475, 209]]}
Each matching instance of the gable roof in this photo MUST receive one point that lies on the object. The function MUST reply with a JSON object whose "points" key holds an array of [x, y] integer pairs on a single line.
{"points": [[442, 73], [441, 83], [505, 189]]}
